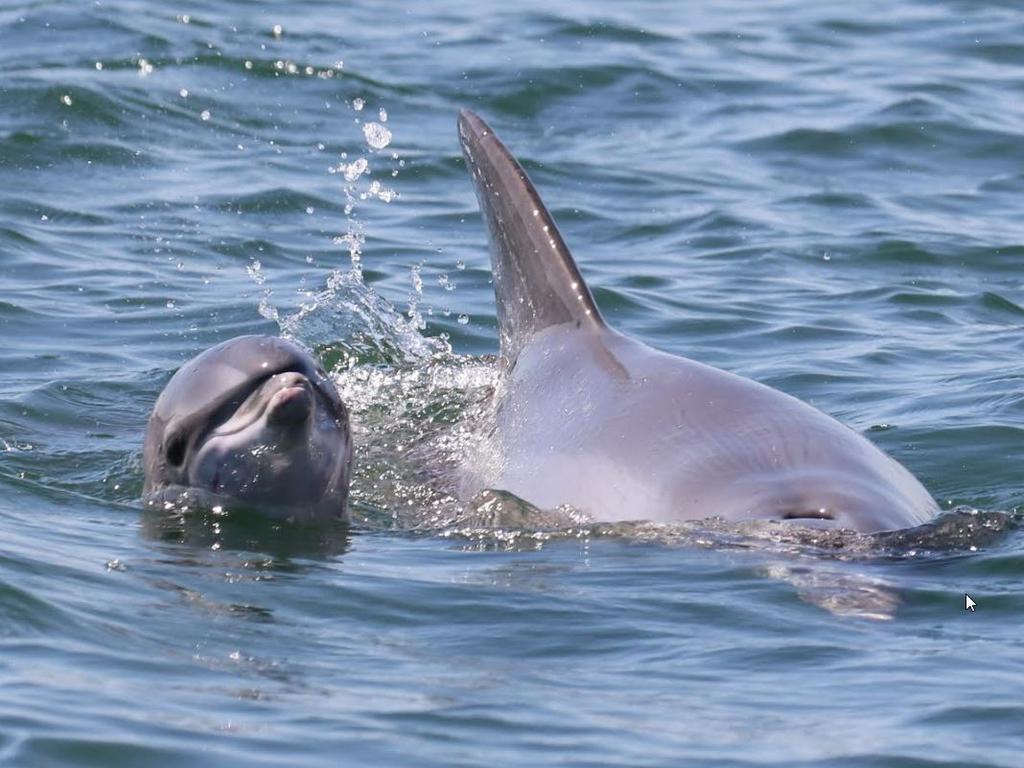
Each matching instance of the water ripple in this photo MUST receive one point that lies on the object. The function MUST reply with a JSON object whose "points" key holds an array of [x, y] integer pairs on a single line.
{"points": [[822, 197]]}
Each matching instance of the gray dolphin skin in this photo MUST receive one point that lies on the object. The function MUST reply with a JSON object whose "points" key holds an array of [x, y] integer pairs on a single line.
{"points": [[594, 419], [257, 420]]}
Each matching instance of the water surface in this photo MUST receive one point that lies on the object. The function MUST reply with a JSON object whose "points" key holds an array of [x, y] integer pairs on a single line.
{"points": [[824, 197]]}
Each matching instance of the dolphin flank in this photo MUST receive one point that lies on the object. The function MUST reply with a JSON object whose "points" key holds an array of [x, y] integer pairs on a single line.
{"points": [[592, 418]]}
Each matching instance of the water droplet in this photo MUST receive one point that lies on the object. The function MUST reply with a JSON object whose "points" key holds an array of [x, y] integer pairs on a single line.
{"points": [[377, 136], [277, 31], [463, 320], [145, 68], [204, 115], [460, 264], [309, 209], [355, 169], [358, 104], [254, 270], [382, 114], [66, 99], [99, 65], [184, 18], [183, 93], [248, 64]]}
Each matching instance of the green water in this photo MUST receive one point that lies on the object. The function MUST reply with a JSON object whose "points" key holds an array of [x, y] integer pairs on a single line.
{"points": [[823, 197]]}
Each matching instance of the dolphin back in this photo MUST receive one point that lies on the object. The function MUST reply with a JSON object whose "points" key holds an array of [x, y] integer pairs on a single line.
{"points": [[536, 281]]}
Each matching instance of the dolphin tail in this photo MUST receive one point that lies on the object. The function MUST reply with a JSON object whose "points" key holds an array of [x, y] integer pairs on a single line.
{"points": [[536, 281]]}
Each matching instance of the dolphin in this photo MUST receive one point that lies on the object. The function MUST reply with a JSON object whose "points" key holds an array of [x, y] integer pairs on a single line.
{"points": [[254, 419], [589, 417]]}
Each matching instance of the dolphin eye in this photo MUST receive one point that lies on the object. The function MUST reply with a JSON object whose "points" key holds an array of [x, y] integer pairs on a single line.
{"points": [[176, 450]]}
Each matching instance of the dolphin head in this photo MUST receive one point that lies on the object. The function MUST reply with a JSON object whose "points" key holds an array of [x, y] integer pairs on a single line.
{"points": [[255, 419]]}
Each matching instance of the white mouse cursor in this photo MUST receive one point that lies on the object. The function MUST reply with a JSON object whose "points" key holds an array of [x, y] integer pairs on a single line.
{"points": [[969, 603]]}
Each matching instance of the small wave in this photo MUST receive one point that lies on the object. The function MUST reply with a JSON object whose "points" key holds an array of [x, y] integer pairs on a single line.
{"points": [[87, 104], [24, 613], [538, 88], [857, 28], [1000, 305], [609, 31], [904, 139], [25, 151], [904, 252], [833, 200], [274, 200], [1003, 53]]}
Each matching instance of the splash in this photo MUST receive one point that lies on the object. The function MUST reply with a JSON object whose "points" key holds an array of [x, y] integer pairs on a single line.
{"points": [[359, 186], [415, 405], [266, 309], [342, 291], [414, 426], [350, 321]]}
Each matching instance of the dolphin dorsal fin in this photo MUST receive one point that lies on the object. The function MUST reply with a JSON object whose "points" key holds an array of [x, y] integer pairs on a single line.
{"points": [[536, 281]]}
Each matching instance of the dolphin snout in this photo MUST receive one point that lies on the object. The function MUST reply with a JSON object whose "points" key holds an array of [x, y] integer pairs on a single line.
{"points": [[292, 403]]}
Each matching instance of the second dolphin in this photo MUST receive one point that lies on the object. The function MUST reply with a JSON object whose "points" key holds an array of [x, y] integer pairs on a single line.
{"points": [[602, 422]]}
